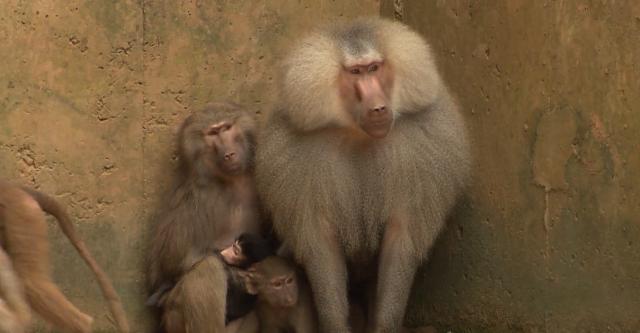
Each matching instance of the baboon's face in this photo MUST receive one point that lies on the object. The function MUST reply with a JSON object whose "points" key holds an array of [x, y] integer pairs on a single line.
{"points": [[365, 87]]}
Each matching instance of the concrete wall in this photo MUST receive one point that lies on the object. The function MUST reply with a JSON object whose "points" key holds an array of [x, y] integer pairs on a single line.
{"points": [[549, 238], [90, 96]]}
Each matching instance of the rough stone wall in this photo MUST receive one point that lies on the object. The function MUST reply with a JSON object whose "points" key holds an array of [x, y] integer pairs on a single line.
{"points": [[548, 239], [90, 96]]}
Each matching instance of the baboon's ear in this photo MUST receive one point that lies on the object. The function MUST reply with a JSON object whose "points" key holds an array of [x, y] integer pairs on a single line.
{"points": [[250, 280]]}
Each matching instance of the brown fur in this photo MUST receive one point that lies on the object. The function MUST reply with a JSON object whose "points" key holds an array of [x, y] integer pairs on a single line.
{"points": [[206, 211], [15, 315], [373, 205], [298, 318], [246, 324], [192, 305], [25, 239]]}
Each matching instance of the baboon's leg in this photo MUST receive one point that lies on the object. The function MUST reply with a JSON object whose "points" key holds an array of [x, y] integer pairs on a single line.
{"points": [[9, 322], [172, 319], [326, 270], [205, 296], [198, 301], [28, 246], [14, 311], [397, 267], [47, 300]]}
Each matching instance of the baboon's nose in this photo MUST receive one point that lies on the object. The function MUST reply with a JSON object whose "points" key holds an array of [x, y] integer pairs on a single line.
{"points": [[380, 110], [229, 156]]}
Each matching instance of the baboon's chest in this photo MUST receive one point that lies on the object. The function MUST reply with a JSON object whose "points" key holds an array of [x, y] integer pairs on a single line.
{"points": [[237, 215]]}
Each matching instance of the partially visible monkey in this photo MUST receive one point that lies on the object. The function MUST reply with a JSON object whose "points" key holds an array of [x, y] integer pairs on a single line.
{"points": [[361, 164], [214, 201], [284, 299], [24, 236], [15, 315]]}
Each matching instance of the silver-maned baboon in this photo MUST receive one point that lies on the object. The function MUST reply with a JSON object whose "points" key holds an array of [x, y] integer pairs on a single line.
{"points": [[214, 201], [361, 164], [23, 230]]}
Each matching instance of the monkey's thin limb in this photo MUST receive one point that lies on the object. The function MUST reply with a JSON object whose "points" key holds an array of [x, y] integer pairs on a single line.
{"points": [[47, 300], [14, 311], [9, 322], [28, 246], [327, 273], [11, 291], [51, 206], [396, 269]]}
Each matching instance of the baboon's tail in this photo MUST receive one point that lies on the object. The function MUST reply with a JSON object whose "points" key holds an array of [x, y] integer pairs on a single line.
{"points": [[51, 206]]}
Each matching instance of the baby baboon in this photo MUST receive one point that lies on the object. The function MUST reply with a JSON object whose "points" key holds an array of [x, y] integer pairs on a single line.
{"points": [[247, 250], [24, 236], [361, 164], [212, 204], [284, 300]]}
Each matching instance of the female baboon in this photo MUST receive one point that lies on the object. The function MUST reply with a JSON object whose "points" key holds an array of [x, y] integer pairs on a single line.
{"points": [[361, 164], [213, 203]]}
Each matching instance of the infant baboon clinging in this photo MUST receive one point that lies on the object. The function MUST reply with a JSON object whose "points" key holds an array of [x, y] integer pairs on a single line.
{"points": [[361, 164], [247, 250], [24, 236], [213, 203]]}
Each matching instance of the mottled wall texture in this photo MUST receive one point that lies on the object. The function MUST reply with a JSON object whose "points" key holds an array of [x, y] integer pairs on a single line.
{"points": [[90, 96], [548, 239]]}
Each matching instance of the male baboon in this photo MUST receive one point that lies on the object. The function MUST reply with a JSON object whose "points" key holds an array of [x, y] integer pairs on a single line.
{"points": [[361, 163], [213, 202], [24, 236]]}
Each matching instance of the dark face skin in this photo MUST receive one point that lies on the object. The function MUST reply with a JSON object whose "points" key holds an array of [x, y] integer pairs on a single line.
{"points": [[365, 89], [229, 148], [233, 255]]}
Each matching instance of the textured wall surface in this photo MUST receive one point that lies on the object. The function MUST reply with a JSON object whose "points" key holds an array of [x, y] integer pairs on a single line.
{"points": [[549, 237], [90, 96]]}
